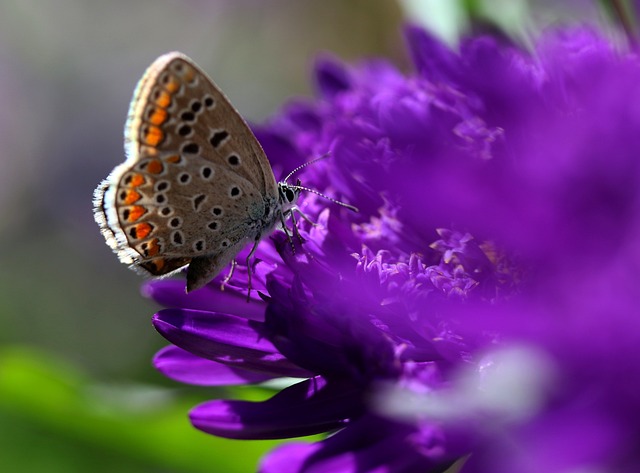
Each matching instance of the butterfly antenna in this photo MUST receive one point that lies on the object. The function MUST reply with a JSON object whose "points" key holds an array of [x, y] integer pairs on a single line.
{"points": [[302, 188], [313, 161]]}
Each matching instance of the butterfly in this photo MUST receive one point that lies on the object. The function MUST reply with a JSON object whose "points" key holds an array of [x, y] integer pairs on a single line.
{"points": [[196, 186]]}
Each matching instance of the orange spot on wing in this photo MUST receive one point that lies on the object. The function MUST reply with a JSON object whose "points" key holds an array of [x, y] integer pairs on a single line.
{"points": [[155, 166], [189, 74], [152, 135], [162, 99], [136, 180], [159, 266], [142, 230], [136, 212], [159, 263], [153, 247], [131, 197], [172, 84], [158, 116], [173, 159]]}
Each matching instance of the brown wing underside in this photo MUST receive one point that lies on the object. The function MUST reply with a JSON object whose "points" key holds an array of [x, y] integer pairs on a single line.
{"points": [[194, 170]]}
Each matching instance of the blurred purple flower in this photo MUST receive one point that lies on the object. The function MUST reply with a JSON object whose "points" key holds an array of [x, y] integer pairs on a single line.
{"points": [[482, 307]]}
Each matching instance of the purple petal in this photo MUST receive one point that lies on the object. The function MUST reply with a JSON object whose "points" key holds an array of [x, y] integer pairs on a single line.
{"points": [[432, 58], [281, 151], [227, 339], [306, 408], [368, 445], [171, 293], [332, 77], [182, 366], [328, 341], [506, 77]]}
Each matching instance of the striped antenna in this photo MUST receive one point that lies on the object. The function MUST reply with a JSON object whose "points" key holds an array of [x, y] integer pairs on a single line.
{"points": [[313, 161], [302, 188]]}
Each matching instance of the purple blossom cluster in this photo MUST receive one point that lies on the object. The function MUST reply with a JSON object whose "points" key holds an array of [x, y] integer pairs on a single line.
{"points": [[481, 310]]}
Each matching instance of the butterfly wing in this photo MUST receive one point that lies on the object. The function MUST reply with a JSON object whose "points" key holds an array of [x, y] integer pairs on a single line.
{"points": [[195, 176], [178, 108]]}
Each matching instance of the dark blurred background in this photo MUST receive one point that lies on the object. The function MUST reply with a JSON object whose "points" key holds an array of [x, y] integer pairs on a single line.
{"points": [[77, 391]]}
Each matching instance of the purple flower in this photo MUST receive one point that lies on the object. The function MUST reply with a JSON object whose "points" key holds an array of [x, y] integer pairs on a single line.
{"points": [[482, 307]]}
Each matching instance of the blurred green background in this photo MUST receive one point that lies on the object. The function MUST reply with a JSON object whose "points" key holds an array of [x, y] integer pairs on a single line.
{"points": [[77, 389]]}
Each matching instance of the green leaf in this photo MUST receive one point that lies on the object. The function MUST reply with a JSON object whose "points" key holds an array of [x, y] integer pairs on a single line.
{"points": [[56, 419]]}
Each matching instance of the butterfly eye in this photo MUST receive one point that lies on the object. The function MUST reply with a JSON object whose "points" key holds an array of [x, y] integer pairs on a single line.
{"points": [[289, 195]]}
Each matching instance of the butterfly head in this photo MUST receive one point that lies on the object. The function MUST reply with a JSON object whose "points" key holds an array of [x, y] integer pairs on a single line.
{"points": [[288, 195]]}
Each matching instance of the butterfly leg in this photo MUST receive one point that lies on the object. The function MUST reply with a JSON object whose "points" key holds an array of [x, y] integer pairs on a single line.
{"points": [[296, 232], [295, 223], [283, 224], [228, 277], [304, 216], [249, 271]]}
